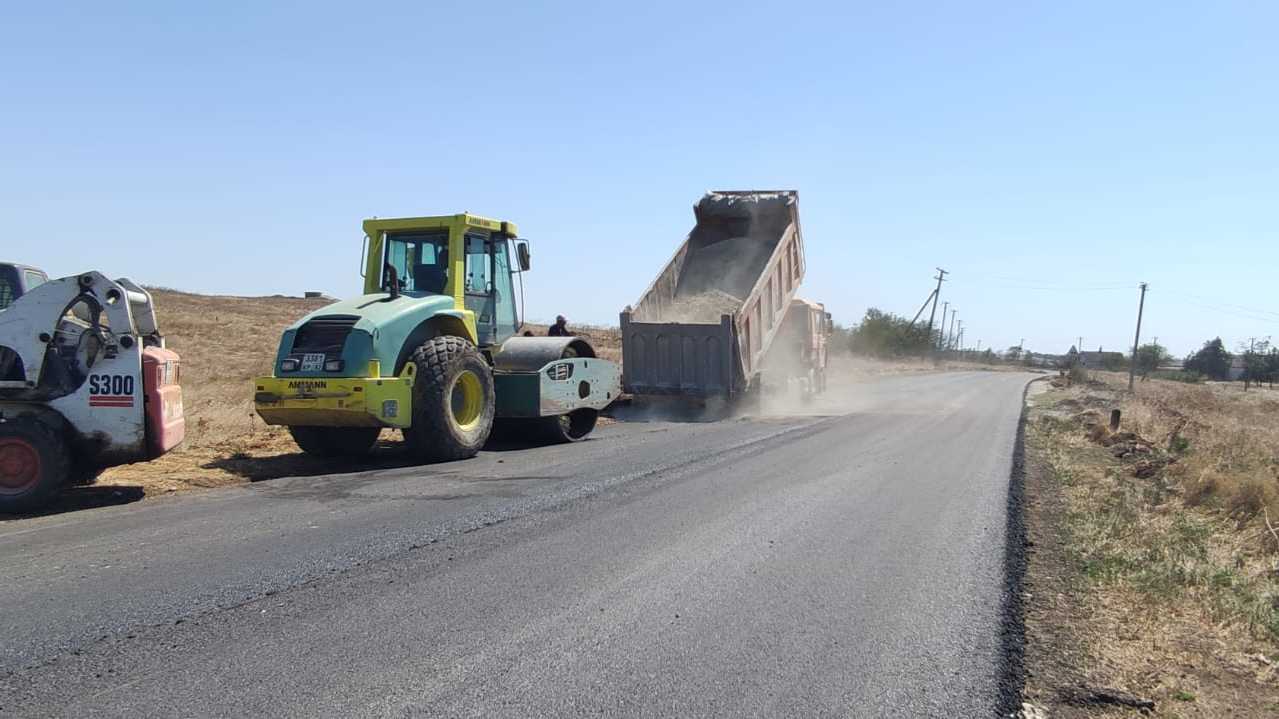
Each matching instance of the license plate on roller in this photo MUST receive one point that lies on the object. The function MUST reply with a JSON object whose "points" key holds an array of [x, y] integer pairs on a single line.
{"points": [[313, 362]]}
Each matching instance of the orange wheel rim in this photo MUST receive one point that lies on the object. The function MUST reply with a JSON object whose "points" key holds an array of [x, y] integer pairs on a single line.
{"points": [[19, 465]]}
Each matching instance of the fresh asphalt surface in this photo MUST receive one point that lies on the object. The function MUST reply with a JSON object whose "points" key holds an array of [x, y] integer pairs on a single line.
{"points": [[849, 564]]}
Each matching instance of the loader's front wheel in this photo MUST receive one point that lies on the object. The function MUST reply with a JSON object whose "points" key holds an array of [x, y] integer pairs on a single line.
{"points": [[453, 400], [335, 441], [34, 463]]}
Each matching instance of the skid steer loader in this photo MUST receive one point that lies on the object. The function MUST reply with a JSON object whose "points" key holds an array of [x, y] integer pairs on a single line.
{"points": [[85, 382]]}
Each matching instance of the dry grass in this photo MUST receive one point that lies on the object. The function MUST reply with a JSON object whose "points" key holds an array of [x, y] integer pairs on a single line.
{"points": [[224, 343], [1165, 532], [1226, 442]]}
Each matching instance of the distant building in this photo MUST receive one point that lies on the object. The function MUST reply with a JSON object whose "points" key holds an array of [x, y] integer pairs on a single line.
{"points": [[1101, 360]]}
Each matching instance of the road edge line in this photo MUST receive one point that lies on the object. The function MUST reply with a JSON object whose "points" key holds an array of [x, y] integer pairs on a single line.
{"points": [[1012, 632]]}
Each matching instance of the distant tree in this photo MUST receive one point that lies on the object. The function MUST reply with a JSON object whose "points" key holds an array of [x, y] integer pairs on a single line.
{"points": [[840, 337], [1256, 363], [1149, 357], [1272, 366], [989, 357], [1212, 360], [1013, 353], [883, 334], [1114, 361]]}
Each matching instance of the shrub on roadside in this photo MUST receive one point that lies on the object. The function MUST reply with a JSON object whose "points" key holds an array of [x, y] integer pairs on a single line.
{"points": [[1078, 375]]}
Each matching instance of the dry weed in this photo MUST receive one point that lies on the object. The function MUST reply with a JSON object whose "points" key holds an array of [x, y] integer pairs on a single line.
{"points": [[1173, 574], [1226, 440]]}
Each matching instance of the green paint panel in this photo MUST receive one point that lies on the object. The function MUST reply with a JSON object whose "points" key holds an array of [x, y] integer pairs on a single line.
{"points": [[383, 327], [518, 395]]}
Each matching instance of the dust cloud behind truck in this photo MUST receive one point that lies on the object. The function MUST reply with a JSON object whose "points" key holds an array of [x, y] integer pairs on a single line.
{"points": [[704, 327]]}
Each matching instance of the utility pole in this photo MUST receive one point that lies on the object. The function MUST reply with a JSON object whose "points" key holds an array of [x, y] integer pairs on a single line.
{"points": [[959, 340], [941, 277], [1136, 339], [931, 295], [1247, 363], [950, 337], [941, 336], [1080, 346]]}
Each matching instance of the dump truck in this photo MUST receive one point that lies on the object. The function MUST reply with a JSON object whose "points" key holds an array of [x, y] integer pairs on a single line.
{"points": [[86, 382], [707, 324], [796, 360], [433, 347]]}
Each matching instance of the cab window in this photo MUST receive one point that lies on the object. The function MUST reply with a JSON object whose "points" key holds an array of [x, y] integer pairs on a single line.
{"points": [[420, 259], [479, 275], [34, 279], [9, 288]]}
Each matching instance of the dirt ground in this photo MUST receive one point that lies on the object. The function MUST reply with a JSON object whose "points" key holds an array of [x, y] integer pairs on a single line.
{"points": [[1138, 592]]}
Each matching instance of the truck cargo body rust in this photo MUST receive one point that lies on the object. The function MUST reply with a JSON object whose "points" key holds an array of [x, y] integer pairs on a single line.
{"points": [[704, 326]]}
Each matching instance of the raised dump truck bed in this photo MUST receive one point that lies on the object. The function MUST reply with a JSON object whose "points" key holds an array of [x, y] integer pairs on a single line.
{"points": [[704, 325]]}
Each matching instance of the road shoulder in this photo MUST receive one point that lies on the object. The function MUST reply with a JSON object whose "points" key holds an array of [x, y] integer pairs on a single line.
{"points": [[1106, 634]]}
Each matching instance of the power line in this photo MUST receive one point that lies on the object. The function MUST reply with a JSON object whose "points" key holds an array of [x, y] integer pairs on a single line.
{"points": [[1024, 283], [1247, 313]]}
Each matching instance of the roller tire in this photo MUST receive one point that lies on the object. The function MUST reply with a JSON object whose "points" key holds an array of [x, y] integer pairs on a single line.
{"points": [[572, 427], [30, 449], [436, 433], [335, 441]]}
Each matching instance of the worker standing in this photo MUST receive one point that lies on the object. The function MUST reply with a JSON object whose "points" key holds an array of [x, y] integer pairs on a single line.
{"points": [[560, 328]]}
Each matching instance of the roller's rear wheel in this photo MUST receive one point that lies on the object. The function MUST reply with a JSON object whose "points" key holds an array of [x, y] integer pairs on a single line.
{"points": [[335, 441], [34, 463]]}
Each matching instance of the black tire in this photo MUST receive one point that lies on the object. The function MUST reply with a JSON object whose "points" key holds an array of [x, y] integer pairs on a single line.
{"points": [[34, 464], [571, 427], [83, 474], [453, 400], [335, 441]]}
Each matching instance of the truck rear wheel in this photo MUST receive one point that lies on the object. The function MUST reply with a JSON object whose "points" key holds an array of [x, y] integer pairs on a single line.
{"points": [[453, 400], [34, 463], [335, 441]]}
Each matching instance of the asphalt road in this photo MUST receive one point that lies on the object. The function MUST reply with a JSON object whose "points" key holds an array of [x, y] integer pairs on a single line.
{"points": [[842, 565]]}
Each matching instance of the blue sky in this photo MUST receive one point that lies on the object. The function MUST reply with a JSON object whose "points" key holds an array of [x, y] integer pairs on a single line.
{"points": [[1050, 155]]}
